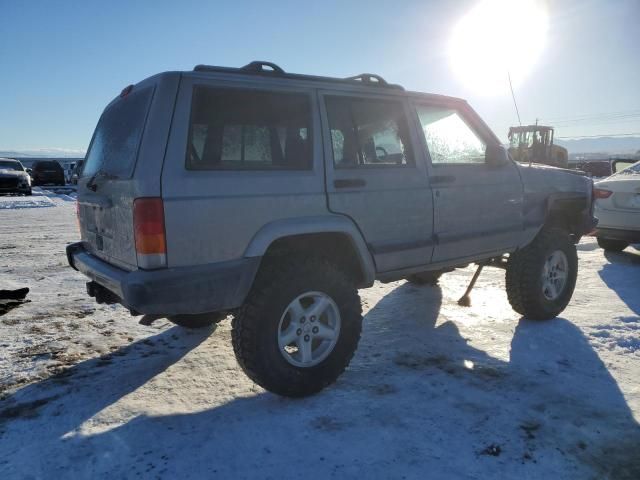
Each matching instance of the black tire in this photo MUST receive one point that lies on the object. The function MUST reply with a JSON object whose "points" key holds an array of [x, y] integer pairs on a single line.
{"points": [[199, 320], [28, 193], [524, 275], [611, 245], [425, 278], [255, 325]]}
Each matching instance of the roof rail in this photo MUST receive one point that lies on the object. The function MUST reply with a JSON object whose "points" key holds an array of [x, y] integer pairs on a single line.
{"points": [[369, 79], [259, 67]]}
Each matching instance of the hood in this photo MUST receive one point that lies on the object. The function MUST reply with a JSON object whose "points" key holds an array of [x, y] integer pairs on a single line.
{"points": [[12, 173], [544, 179], [539, 166]]}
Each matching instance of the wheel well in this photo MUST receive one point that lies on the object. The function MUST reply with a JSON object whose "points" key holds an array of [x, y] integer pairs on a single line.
{"points": [[568, 215], [334, 246]]}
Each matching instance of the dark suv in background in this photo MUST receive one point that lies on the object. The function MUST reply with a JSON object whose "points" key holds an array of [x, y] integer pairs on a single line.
{"points": [[47, 172]]}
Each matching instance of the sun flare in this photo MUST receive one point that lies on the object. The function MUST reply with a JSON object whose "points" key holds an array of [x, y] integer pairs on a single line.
{"points": [[496, 37]]}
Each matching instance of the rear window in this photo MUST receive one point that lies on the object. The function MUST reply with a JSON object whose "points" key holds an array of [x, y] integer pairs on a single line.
{"points": [[232, 129], [114, 147], [41, 166]]}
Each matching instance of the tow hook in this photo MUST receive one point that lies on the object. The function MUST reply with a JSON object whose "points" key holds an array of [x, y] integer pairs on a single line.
{"points": [[101, 294]]}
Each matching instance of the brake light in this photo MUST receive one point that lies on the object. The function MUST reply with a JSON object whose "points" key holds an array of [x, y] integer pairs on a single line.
{"points": [[148, 226], [601, 193]]}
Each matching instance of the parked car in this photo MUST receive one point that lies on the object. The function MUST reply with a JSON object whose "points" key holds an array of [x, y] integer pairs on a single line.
{"points": [[617, 207], [598, 168], [13, 177], [47, 172], [68, 171], [75, 174], [275, 196]]}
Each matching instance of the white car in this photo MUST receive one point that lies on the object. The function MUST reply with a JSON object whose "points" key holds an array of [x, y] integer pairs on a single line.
{"points": [[617, 207]]}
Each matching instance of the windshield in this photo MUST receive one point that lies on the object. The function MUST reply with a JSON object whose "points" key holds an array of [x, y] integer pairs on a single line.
{"points": [[6, 165], [115, 142]]}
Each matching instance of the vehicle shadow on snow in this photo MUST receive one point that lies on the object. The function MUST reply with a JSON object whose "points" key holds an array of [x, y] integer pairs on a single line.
{"points": [[417, 398], [622, 275]]}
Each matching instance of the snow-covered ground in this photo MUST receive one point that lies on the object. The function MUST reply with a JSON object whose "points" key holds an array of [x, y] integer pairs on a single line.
{"points": [[435, 390]]}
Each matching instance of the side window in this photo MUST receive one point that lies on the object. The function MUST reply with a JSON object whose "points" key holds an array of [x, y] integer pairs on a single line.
{"points": [[367, 133], [233, 129], [449, 138]]}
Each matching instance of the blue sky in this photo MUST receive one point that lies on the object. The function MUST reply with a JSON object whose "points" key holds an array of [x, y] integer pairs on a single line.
{"points": [[61, 62]]}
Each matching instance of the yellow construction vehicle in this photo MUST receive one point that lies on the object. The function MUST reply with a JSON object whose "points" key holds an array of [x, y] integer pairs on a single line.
{"points": [[534, 144]]}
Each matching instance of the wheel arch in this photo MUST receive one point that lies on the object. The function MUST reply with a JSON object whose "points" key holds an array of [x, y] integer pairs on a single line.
{"points": [[333, 235], [570, 211]]}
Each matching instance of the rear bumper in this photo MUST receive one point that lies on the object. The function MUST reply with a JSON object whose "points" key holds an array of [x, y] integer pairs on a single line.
{"points": [[170, 291], [631, 236]]}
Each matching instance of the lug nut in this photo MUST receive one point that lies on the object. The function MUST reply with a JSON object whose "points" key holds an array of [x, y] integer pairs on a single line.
{"points": [[306, 338], [313, 319], [299, 331], [315, 329], [302, 320]]}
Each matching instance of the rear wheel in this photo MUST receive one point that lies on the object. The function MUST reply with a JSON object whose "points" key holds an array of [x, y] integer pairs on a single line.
{"points": [[611, 245], [425, 278], [198, 320], [299, 327], [542, 276]]}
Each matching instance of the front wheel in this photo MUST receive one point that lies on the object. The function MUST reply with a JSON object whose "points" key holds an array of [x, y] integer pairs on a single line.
{"points": [[299, 327], [541, 277], [611, 245]]}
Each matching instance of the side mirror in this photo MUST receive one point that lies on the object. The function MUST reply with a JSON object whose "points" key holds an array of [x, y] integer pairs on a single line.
{"points": [[496, 156]]}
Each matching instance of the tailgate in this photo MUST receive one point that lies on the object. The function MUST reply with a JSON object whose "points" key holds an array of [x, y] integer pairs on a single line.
{"points": [[106, 188]]}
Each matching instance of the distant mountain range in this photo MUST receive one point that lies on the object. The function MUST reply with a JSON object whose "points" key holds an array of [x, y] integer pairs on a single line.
{"points": [[43, 153], [603, 145], [597, 145]]}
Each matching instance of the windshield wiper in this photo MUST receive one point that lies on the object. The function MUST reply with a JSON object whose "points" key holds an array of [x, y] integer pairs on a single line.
{"points": [[91, 183]]}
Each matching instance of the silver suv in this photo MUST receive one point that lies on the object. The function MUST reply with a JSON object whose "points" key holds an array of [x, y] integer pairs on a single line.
{"points": [[274, 197]]}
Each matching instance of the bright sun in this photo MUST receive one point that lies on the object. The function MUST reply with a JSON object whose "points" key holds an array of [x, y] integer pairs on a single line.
{"points": [[496, 37]]}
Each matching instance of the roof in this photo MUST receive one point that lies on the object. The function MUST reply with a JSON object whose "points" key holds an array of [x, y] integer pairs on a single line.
{"points": [[273, 71]]}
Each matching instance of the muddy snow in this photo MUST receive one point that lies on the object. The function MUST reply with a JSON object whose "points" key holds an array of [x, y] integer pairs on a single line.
{"points": [[435, 390]]}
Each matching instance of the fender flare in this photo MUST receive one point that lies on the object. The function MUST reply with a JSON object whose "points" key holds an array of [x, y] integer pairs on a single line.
{"points": [[278, 229]]}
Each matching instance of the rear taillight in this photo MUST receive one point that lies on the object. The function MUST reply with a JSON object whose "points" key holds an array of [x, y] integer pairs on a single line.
{"points": [[148, 227], [601, 193]]}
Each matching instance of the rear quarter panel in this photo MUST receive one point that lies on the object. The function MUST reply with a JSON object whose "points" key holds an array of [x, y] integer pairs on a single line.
{"points": [[212, 215]]}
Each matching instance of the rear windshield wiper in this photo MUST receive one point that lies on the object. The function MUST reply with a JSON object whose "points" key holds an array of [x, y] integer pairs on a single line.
{"points": [[91, 183]]}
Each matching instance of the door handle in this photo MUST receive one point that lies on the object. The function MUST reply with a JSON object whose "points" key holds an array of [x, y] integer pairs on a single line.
{"points": [[441, 179], [349, 183]]}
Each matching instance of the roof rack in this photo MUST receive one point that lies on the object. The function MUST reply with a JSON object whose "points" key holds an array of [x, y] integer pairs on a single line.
{"points": [[259, 67]]}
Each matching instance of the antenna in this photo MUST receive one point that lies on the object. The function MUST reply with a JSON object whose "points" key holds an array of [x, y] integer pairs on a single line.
{"points": [[514, 97]]}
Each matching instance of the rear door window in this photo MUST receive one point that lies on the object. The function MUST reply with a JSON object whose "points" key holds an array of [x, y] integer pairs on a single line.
{"points": [[235, 129], [115, 143], [368, 133]]}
